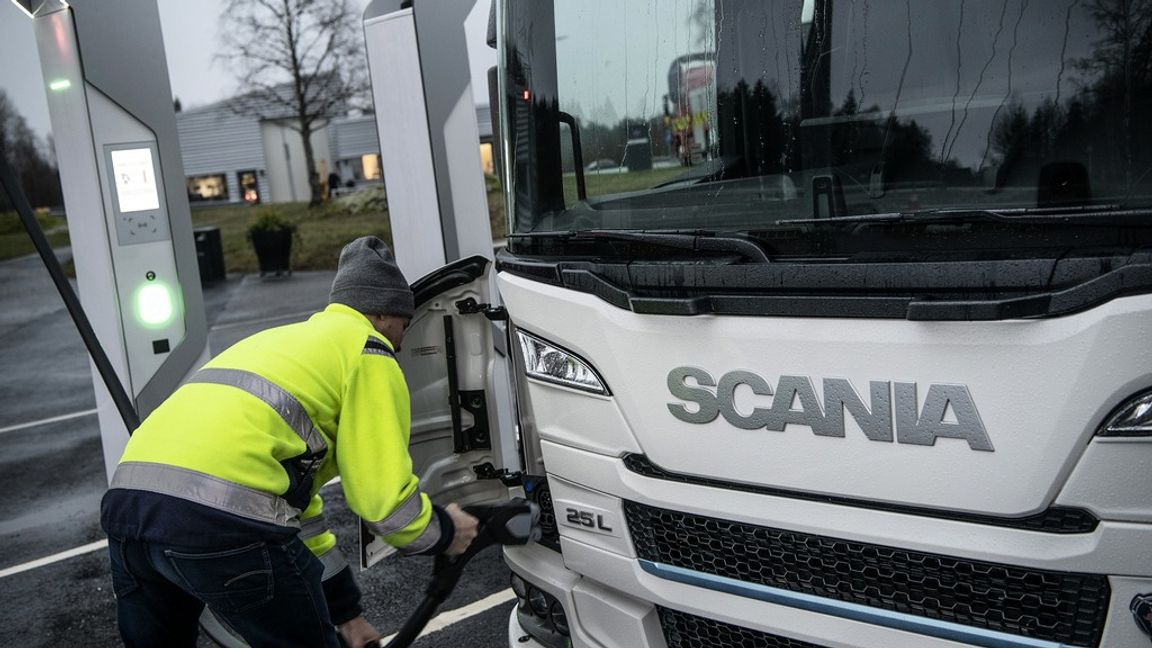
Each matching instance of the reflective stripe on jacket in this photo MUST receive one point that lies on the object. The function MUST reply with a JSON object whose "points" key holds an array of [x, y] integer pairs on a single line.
{"points": [[325, 396]]}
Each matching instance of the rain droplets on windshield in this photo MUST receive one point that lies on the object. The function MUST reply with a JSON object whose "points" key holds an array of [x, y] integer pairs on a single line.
{"points": [[739, 113]]}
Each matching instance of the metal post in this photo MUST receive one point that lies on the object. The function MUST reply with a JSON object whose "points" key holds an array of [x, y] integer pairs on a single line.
{"points": [[110, 103]]}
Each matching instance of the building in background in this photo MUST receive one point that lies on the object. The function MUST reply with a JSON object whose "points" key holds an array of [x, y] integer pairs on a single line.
{"points": [[221, 151], [233, 158], [355, 149], [484, 122]]}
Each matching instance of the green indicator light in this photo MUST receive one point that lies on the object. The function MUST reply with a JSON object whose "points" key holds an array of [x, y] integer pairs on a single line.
{"points": [[59, 85], [154, 305]]}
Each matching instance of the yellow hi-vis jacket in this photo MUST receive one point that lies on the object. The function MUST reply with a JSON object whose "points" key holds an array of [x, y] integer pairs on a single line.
{"points": [[330, 387]]}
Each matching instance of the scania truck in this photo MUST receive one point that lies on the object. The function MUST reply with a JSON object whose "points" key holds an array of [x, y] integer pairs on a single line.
{"points": [[873, 369]]}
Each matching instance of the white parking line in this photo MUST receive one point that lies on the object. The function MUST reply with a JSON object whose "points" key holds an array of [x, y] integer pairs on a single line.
{"points": [[438, 623], [54, 419], [55, 558], [445, 619], [76, 551]]}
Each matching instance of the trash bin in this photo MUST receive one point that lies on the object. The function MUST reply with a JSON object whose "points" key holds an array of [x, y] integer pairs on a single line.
{"points": [[209, 254], [638, 150]]}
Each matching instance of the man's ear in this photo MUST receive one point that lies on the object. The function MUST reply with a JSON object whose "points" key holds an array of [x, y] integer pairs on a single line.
{"points": [[377, 322]]}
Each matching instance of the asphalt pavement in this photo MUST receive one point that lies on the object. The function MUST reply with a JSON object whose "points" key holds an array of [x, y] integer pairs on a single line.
{"points": [[52, 476]]}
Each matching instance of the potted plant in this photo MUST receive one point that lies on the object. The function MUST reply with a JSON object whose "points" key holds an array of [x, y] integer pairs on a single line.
{"points": [[271, 235]]}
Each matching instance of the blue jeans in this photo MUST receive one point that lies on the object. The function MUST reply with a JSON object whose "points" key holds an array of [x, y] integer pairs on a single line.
{"points": [[270, 594]]}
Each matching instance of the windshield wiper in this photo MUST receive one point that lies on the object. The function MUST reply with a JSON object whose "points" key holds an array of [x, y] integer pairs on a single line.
{"points": [[1092, 214], [696, 241]]}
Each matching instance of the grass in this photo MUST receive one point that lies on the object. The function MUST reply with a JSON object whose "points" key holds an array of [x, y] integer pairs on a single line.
{"points": [[14, 241], [496, 208], [614, 181], [320, 232]]}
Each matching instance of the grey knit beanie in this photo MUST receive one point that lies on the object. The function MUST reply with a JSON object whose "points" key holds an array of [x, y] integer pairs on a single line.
{"points": [[368, 280]]}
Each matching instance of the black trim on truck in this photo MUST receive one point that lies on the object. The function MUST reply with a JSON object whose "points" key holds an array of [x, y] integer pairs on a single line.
{"points": [[1056, 519], [684, 630], [1066, 608], [970, 290], [453, 275]]}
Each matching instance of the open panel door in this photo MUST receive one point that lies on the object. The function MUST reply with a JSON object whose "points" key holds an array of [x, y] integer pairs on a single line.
{"points": [[450, 363]]}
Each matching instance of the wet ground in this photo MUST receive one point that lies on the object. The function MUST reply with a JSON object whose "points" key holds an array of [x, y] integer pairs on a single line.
{"points": [[52, 475]]}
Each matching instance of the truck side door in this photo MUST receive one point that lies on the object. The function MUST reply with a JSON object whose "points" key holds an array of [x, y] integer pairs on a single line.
{"points": [[453, 373]]}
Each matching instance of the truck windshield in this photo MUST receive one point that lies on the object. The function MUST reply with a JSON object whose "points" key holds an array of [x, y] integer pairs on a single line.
{"points": [[748, 116]]}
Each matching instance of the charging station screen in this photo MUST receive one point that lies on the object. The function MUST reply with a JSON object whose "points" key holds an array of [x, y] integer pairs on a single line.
{"points": [[135, 178]]}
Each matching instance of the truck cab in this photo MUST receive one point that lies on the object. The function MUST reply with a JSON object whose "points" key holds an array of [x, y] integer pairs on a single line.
{"points": [[852, 349]]}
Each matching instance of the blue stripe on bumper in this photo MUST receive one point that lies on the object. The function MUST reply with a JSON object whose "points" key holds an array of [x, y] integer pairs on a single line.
{"points": [[845, 610]]}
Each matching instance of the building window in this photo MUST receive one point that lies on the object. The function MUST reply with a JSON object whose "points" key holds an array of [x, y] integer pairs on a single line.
{"points": [[371, 165], [207, 187], [486, 158], [249, 186]]}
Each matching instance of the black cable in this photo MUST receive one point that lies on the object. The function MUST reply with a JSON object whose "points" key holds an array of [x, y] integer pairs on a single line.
{"points": [[497, 527], [103, 365], [445, 575], [415, 624]]}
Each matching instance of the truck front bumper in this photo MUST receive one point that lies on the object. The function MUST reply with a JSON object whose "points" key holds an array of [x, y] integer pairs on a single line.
{"points": [[518, 637], [614, 599]]}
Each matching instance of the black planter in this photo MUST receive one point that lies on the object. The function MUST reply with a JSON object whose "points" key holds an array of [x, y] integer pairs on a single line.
{"points": [[273, 251]]}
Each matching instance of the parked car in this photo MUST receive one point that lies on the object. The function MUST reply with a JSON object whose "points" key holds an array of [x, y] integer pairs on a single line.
{"points": [[603, 164]]}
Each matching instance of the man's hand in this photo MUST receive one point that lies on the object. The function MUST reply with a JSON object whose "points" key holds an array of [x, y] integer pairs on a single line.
{"points": [[358, 633], [466, 527]]}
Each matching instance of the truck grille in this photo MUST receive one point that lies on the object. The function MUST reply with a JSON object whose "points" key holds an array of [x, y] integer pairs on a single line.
{"points": [[1053, 606], [683, 630]]}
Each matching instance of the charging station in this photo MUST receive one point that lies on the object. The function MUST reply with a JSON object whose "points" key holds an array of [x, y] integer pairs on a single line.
{"points": [[110, 104], [438, 206], [430, 151], [429, 139]]}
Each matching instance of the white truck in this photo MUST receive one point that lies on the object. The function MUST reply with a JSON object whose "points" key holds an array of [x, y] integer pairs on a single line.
{"points": [[876, 373]]}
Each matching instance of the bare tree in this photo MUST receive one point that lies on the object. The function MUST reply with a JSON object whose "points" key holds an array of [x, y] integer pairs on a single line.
{"points": [[32, 160], [298, 61]]}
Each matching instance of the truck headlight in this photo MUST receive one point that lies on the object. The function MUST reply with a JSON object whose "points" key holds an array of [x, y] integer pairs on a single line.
{"points": [[1132, 419], [550, 363]]}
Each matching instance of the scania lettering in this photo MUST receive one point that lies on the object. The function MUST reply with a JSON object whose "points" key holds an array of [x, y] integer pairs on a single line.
{"points": [[846, 348], [915, 425]]}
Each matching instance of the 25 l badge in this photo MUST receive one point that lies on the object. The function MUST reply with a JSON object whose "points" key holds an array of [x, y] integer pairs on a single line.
{"points": [[587, 518]]}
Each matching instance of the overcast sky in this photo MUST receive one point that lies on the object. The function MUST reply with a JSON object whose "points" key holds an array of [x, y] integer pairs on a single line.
{"points": [[189, 28]]}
